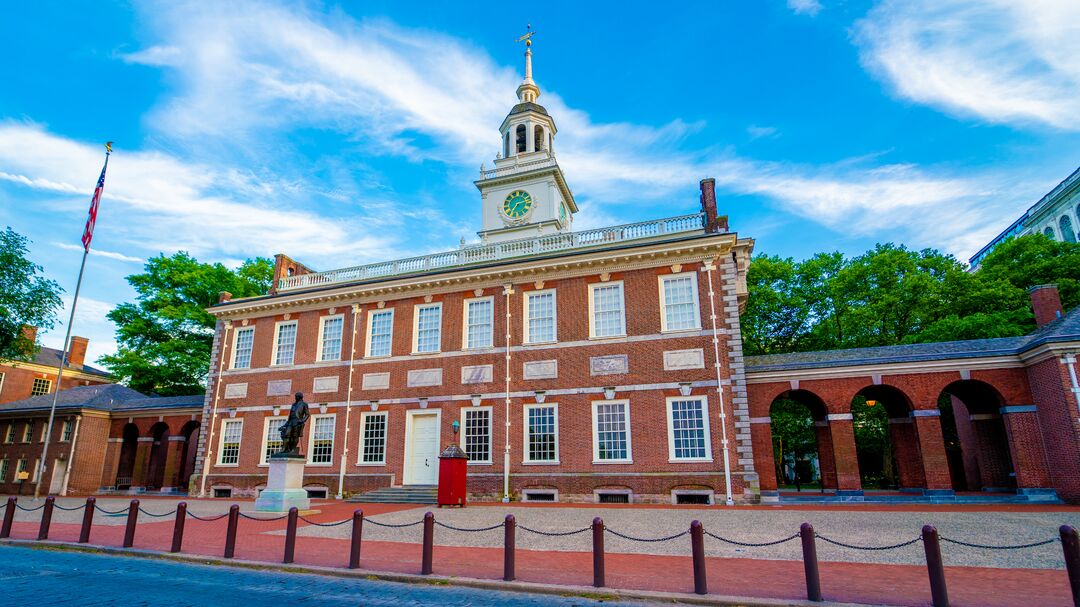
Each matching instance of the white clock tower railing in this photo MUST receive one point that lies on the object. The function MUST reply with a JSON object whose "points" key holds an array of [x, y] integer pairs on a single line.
{"points": [[476, 254]]}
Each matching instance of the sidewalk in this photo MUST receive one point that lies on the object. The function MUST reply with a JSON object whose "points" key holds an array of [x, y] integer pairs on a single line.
{"points": [[900, 584]]}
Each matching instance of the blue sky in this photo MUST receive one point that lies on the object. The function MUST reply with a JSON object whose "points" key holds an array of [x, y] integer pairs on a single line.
{"points": [[348, 133]]}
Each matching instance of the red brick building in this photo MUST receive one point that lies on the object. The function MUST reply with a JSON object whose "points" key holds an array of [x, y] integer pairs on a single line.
{"points": [[23, 379], [104, 437]]}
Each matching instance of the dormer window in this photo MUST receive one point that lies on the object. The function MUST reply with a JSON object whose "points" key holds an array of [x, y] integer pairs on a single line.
{"points": [[521, 138], [538, 138]]}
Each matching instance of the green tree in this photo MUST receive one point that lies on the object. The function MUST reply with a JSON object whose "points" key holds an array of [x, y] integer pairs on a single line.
{"points": [[164, 338], [26, 298], [793, 432], [1036, 259], [777, 317]]}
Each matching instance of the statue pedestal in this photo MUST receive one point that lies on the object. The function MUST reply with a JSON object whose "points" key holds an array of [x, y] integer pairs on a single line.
{"points": [[285, 486]]}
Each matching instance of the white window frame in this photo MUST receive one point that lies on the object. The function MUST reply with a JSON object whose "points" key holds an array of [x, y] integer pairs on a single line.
{"points": [[67, 427], [3, 469], [525, 435], [592, 312], [9, 433], [3, 376], [465, 322], [367, 342], [596, 435], [386, 437], [221, 443], [36, 473], [296, 342], [491, 433], [671, 429], [663, 301], [28, 432], [526, 337], [322, 333], [416, 327], [48, 386], [236, 339], [263, 459], [311, 440]]}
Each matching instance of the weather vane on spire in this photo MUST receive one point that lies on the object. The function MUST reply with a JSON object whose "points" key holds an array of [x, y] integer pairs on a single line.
{"points": [[527, 38]]}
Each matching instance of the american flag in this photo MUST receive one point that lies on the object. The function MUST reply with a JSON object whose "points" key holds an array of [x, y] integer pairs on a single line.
{"points": [[88, 233]]}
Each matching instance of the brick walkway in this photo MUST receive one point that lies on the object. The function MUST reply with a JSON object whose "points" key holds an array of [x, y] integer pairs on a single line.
{"points": [[852, 582]]}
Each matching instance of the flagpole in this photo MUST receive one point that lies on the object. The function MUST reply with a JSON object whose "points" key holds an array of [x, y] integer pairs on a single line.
{"points": [[63, 357]]}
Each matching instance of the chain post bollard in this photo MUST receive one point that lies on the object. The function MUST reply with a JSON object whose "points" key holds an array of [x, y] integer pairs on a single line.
{"points": [[697, 548], [429, 540], [1070, 546], [509, 548], [9, 517], [357, 536], [290, 535], [230, 531], [598, 552], [133, 519], [810, 563], [46, 518], [87, 519], [178, 527], [935, 566]]}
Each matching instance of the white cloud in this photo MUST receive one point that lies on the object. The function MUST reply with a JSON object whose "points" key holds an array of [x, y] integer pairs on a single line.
{"points": [[99, 252], [1000, 60], [156, 56], [760, 132], [805, 7]]}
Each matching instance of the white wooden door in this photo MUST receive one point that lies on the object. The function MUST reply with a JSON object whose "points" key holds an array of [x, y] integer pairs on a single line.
{"points": [[424, 450]]}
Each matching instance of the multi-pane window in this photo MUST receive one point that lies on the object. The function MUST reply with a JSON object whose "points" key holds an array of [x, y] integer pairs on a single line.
{"points": [[245, 340], [332, 328], [380, 332], [688, 429], [66, 430], [3, 470], [608, 319], [41, 386], [479, 318], [322, 439], [231, 432], [20, 467], [37, 470], [428, 328], [10, 436], [612, 424], [285, 348], [477, 434], [541, 433], [373, 438], [679, 302], [540, 314], [28, 432], [272, 437]]}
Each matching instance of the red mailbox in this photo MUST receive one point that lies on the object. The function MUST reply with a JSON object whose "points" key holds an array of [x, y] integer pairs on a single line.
{"points": [[453, 466]]}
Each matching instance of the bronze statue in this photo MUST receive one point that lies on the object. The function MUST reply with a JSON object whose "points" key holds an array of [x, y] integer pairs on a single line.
{"points": [[293, 427]]}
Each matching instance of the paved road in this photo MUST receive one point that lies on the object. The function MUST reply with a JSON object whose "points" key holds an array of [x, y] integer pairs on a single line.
{"points": [[75, 578]]}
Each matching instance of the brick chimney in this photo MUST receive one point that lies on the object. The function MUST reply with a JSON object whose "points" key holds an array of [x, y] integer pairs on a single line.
{"points": [[713, 223], [1046, 303], [285, 266], [29, 333], [77, 351]]}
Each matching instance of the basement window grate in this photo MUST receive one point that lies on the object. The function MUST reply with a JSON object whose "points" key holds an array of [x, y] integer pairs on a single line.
{"points": [[222, 492], [539, 496], [697, 499], [613, 498], [316, 494]]}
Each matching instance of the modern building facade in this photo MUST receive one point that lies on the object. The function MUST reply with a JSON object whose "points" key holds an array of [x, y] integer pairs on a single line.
{"points": [[1057, 215]]}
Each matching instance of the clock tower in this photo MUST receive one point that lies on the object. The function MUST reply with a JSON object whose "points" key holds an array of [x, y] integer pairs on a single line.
{"points": [[525, 195]]}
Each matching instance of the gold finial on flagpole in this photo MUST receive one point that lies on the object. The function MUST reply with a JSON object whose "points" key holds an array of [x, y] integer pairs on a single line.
{"points": [[108, 147]]}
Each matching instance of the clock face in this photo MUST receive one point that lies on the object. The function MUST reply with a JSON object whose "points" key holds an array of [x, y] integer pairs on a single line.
{"points": [[517, 204]]}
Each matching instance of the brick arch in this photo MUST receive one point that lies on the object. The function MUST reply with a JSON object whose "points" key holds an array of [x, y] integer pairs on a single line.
{"points": [[156, 458], [128, 450], [817, 409]]}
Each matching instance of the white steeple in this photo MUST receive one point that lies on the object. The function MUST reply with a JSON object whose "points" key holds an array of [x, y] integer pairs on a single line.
{"points": [[526, 193]]}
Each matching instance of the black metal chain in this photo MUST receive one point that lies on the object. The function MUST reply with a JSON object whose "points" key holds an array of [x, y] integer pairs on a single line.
{"points": [[453, 528], [59, 507], [151, 514], [392, 525], [310, 522], [871, 548], [260, 519], [751, 544], [644, 539], [554, 533], [990, 547], [208, 519], [29, 509], [110, 512]]}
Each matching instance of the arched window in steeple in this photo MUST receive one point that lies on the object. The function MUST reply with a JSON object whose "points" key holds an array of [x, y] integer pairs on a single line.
{"points": [[1067, 232], [1049, 232], [521, 138], [538, 138]]}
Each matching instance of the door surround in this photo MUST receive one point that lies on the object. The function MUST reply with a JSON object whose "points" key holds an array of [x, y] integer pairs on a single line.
{"points": [[406, 473]]}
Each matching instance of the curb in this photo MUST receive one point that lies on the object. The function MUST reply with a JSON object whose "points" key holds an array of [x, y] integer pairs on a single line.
{"points": [[589, 592]]}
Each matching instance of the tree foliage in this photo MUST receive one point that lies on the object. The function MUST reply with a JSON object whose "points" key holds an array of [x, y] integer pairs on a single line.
{"points": [[164, 338], [26, 298], [892, 295]]}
